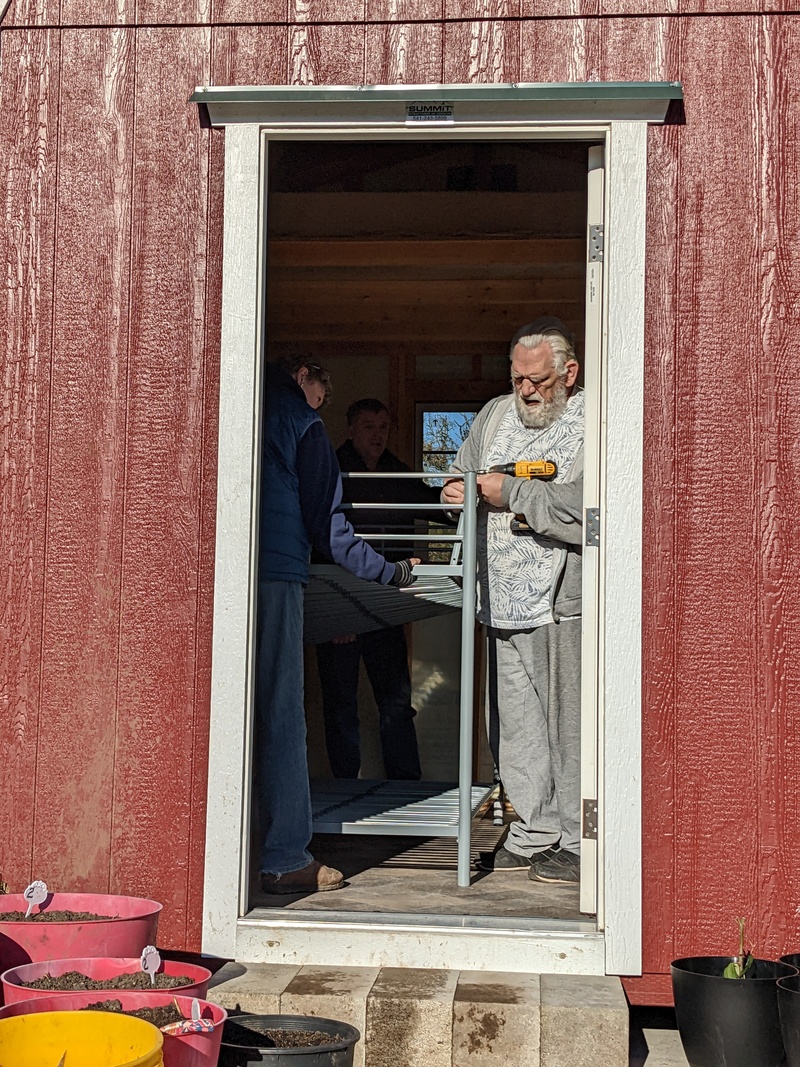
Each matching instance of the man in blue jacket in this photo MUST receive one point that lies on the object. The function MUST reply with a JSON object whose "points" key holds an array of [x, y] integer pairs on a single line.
{"points": [[301, 493]]}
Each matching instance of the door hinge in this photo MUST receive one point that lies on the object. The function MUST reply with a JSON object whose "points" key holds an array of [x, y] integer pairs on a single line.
{"points": [[589, 820], [592, 527], [597, 243]]}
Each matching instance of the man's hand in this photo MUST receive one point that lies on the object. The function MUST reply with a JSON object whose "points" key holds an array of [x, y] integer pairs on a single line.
{"points": [[490, 487], [402, 572], [453, 492]]}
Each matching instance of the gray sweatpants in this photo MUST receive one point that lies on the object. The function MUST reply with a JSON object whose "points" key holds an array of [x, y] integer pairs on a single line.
{"points": [[534, 720]]}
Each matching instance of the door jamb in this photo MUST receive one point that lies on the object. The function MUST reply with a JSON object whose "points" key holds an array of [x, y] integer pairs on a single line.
{"points": [[242, 348]]}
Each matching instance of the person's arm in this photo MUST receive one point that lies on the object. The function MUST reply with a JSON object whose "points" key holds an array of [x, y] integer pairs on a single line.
{"points": [[467, 459], [320, 497], [553, 509]]}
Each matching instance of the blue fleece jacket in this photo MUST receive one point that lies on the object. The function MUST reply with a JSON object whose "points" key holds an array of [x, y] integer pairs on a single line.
{"points": [[301, 493]]}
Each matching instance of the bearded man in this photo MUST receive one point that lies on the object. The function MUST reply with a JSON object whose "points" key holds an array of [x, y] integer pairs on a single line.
{"points": [[529, 598]]}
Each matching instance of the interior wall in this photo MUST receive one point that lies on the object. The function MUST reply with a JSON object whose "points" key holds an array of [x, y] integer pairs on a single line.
{"points": [[405, 268]]}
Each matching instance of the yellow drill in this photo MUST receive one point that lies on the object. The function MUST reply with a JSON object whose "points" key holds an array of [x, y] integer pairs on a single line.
{"points": [[525, 468]]}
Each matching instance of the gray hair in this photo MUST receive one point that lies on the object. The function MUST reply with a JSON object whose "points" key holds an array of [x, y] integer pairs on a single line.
{"points": [[563, 350]]}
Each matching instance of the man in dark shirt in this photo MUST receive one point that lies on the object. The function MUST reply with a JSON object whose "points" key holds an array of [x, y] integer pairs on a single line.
{"points": [[384, 652], [301, 491]]}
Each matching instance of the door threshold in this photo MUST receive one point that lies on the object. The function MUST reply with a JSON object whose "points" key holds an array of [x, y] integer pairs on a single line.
{"points": [[450, 942]]}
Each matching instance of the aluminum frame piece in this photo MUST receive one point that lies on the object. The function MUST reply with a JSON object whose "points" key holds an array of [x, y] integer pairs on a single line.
{"points": [[411, 808], [427, 106]]}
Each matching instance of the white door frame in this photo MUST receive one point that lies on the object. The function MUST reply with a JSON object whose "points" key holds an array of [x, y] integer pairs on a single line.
{"points": [[620, 457]]}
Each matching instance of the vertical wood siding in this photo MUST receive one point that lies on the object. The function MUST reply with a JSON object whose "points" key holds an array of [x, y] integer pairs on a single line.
{"points": [[109, 333], [29, 87], [82, 566]]}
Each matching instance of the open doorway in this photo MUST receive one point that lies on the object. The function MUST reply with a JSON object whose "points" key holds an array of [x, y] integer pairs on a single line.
{"points": [[405, 268]]}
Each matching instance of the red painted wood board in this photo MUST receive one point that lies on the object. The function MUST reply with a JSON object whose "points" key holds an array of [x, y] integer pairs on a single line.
{"points": [[474, 10], [718, 699], [157, 834], [30, 13], [29, 75], [249, 55], [326, 55], [649, 989], [207, 543], [485, 51], [326, 11], [404, 53], [86, 481], [778, 473], [429, 11], [166, 12], [560, 50], [97, 12]]}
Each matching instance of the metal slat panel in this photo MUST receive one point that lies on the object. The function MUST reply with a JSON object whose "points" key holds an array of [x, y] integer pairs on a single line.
{"points": [[336, 602], [414, 809]]}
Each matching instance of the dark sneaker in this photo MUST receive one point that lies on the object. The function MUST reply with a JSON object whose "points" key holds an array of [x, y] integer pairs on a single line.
{"points": [[502, 860], [561, 867], [314, 878]]}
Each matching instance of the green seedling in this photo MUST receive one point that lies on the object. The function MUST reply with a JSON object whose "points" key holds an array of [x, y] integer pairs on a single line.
{"points": [[739, 967]]}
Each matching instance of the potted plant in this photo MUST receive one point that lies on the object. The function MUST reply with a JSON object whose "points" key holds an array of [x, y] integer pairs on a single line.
{"points": [[62, 977], [287, 1041], [197, 1048], [40, 925], [727, 1010], [789, 1010]]}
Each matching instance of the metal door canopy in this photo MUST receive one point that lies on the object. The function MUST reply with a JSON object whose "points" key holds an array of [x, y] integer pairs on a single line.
{"points": [[420, 107], [412, 809]]}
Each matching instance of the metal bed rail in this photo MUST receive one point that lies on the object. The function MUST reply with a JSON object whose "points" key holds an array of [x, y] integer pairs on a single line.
{"points": [[463, 564]]}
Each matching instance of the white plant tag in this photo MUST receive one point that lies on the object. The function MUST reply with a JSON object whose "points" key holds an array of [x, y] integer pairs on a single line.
{"points": [[150, 961], [195, 1010], [36, 893]]}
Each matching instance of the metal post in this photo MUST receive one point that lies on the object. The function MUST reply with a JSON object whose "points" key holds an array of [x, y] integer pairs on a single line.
{"points": [[468, 590]]}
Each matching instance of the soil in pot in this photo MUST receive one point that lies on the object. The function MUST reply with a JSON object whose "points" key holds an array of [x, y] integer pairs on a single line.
{"points": [[54, 917], [287, 1041], [159, 1016], [135, 980], [260, 1035]]}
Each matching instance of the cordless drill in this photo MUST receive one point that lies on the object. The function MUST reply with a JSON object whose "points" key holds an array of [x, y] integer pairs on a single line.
{"points": [[525, 468], [543, 469]]}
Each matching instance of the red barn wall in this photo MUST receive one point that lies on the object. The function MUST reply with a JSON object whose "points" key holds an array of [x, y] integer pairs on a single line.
{"points": [[110, 246]]}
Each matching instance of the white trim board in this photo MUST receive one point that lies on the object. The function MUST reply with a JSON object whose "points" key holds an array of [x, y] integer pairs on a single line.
{"points": [[619, 794], [401, 944]]}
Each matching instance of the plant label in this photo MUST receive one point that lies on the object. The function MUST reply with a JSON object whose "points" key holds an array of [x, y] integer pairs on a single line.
{"points": [[36, 893], [150, 961], [195, 1010]]}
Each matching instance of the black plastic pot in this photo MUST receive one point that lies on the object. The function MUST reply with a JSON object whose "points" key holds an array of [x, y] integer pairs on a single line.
{"points": [[728, 1022], [339, 1053], [789, 1012]]}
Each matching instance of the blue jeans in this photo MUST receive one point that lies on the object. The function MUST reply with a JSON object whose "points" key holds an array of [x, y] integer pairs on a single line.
{"points": [[283, 790], [386, 659]]}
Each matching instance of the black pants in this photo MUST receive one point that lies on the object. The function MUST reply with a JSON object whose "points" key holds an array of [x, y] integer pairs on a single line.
{"points": [[386, 660]]}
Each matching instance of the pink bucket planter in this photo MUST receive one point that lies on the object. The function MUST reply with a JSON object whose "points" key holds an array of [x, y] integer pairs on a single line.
{"points": [[184, 1050], [97, 968], [132, 923]]}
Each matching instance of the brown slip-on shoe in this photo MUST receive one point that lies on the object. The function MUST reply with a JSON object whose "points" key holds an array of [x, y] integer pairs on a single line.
{"points": [[313, 878]]}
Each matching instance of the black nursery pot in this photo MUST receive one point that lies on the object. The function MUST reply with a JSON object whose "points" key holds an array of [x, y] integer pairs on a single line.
{"points": [[339, 1053], [728, 1022], [789, 1012]]}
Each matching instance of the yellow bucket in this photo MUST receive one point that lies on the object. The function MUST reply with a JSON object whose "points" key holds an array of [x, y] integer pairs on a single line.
{"points": [[79, 1039]]}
